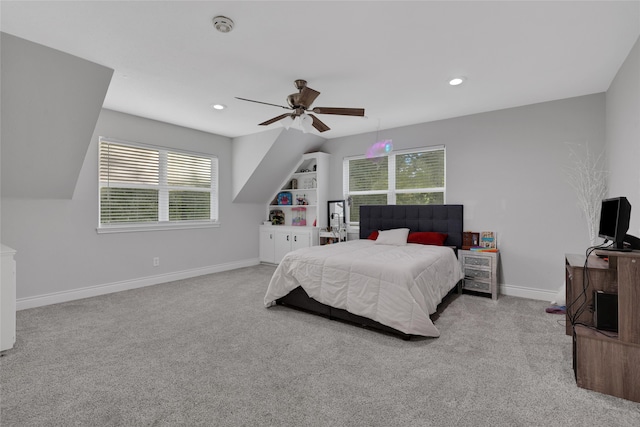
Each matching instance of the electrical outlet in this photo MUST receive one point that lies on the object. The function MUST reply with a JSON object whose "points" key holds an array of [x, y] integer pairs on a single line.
{"points": [[156, 261]]}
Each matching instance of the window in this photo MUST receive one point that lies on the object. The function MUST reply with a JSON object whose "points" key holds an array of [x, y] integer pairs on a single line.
{"points": [[401, 178], [143, 187]]}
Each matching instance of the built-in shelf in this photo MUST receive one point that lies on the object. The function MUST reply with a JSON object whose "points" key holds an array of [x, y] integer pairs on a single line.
{"points": [[301, 223]]}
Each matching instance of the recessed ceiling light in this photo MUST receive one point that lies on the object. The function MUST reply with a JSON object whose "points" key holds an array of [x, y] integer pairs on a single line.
{"points": [[457, 81], [218, 106]]}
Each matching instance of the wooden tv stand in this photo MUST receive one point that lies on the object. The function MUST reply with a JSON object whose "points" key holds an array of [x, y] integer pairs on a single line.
{"points": [[603, 361]]}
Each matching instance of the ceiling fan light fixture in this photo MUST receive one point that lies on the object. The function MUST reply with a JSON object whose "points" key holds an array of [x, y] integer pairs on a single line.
{"points": [[223, 24], [286, 122], [218, 106], [306, 123], [457, 81]]}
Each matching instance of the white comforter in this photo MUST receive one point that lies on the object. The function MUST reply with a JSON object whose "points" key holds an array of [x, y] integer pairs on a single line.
{"points": [[398, 286]]}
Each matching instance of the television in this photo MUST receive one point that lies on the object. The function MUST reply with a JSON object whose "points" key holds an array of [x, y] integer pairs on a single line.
{"points": [[615, 214]]}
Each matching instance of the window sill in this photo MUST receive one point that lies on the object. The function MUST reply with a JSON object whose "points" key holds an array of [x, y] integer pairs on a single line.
{"points": [[155, 227]]}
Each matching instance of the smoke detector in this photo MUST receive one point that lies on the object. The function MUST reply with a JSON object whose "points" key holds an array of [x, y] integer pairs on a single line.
{"points": [[223, 24]]}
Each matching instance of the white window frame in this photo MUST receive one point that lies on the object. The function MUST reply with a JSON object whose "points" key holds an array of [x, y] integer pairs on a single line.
{"points": [[163, 207], [391, 191]]}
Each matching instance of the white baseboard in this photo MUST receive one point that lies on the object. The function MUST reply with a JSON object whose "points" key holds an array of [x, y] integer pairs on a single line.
{"points": [[107, 288], [530, 293]]}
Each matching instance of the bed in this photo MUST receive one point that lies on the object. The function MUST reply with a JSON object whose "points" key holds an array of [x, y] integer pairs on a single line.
{"points": [[392, 288]]}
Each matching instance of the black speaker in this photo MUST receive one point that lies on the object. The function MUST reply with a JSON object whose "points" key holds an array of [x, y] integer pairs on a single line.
{"points": [[605, 313]]}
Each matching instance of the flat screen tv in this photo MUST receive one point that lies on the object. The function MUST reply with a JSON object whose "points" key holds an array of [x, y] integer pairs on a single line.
{"points": [[615, 214]]}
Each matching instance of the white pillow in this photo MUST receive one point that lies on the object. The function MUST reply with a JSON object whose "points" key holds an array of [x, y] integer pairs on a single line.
{"points": [[396, 237]]}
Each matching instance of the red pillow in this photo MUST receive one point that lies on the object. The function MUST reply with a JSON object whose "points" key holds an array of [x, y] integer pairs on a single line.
{"points": [[373, 235], [427, 238]]}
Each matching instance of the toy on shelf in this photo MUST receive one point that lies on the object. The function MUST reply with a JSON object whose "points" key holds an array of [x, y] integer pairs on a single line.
{"points": [[284, 198], [299, 216], [276, 216]]}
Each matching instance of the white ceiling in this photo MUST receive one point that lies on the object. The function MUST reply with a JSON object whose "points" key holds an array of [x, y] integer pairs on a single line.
{"points": [[392, 58]]}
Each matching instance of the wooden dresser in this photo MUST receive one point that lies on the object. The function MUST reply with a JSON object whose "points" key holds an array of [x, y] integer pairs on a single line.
{"points": [[603, 361]]}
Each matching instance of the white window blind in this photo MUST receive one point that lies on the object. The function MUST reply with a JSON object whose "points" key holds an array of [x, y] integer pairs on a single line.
{"points": [[411, 177], [146, 185]]}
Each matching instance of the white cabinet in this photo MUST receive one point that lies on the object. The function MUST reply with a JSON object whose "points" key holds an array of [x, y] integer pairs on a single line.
{"points": [[276, 241], [7, 298], [267, 244]]}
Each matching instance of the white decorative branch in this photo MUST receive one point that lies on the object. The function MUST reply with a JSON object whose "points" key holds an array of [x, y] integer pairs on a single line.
{"points": [[588, 177]]}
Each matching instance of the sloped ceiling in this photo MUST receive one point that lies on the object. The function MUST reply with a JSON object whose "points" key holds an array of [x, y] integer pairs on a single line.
{"points": [[50, 104], [263, 162]]}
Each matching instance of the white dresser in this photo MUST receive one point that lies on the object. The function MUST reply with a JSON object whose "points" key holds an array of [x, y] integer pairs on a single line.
{"points": [[7, 298], [277, 240]]}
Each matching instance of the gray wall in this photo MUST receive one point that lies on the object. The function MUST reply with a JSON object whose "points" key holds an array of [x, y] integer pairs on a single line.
{"points": [[59, 251], [50, 104], [508, 169], [623, 135], [52, 118]]}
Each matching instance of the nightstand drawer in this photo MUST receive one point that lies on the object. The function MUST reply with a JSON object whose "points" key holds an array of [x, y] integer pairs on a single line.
{"points": [[473, 273], [474, 285], [477, 261]]}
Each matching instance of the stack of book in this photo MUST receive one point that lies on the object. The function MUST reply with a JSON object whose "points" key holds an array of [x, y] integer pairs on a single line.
{"points": [[483, 249], [484, 241]]}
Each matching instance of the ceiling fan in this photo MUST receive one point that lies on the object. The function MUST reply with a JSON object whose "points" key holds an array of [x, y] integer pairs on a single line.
{"points": [[300, 104]]}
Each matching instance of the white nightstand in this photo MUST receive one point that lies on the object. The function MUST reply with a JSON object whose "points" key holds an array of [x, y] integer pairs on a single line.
{"points": [[480, 271]]}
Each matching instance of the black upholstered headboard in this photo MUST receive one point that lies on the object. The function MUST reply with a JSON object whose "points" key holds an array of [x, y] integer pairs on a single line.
{"points": [[440, 218]]}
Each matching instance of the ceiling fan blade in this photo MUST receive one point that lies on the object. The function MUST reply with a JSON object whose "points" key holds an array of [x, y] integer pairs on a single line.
{"points": [[318, 124], [307, 96], [275, 119], [266, 103], [339, 111]]}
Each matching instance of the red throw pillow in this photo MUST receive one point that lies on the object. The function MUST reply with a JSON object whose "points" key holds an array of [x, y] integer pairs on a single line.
{"points": [[373, 235], [427, 238]]}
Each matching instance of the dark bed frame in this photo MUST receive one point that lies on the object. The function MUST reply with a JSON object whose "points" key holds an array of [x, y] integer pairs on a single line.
{"points": [[439, 218]]}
